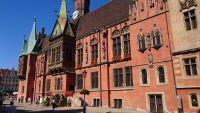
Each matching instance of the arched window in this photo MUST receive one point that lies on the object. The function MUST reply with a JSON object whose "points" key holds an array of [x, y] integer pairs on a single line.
{"points": [[144, 76], [194, 100], [161, 73]]}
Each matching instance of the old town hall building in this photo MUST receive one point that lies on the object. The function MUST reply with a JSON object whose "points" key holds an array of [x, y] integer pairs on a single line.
{"points": [[141, 54]]}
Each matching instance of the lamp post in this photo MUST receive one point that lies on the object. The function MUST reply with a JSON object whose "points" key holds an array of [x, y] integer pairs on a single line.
{"points": [[84, 75]]}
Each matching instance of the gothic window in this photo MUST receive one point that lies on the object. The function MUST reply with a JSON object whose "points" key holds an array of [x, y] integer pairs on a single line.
{"points": [[144, 76], [117, 103], [53, 55], [128, 72], [94, 49], [79, 81], [156, 105], [58, 84], [127, 47], [141, 42], [39, 86], [194, 100], [156, 38], [190, 66], [57, 54], [80, 53], [94, 79], [118, 77], [69, 54], [116, 46], [190, 20], [161, 74], [48, 84]]}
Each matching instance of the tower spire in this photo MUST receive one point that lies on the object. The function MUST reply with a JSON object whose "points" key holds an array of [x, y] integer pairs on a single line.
{"points": [[63, 9]]}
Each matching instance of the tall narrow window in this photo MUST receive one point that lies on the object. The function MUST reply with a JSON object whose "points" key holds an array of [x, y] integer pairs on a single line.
{"points": [[144, 76], [194, 100], [80, 56], [127, 48], [161, 73], [141, 42], [190, 66], [94, 52], [129, 80], [94, 79], [48, 86], [80, 81], [53, 56], [117, 46], [57, 54], [58, 84], [190, 20], [39, 86], [118, 77], [69, 54]]}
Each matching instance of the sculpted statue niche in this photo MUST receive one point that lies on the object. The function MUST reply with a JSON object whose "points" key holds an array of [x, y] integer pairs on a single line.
{"points": [[150, 59]]}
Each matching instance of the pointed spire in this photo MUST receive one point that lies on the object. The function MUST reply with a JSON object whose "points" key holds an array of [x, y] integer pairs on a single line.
{"points": [[32, 37], [63, 11]]}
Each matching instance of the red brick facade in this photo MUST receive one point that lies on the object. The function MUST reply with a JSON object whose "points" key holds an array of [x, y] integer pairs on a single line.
{"points": [[126, 54]]}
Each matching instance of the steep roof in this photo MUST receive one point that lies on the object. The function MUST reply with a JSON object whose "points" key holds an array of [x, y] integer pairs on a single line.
{"points": [[30, 46], [107, 14]]}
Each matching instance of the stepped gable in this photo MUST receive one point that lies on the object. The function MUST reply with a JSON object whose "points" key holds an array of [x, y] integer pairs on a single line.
{"points": [[107, 14]]}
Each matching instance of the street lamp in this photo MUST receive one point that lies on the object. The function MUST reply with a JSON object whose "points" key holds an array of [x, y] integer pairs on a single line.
{"points": [[84, 75]]}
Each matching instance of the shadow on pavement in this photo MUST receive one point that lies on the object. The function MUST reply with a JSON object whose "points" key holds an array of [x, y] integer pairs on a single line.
{"points": [[51, 111]]}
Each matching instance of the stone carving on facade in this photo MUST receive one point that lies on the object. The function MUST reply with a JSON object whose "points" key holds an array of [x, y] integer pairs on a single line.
{"points": [[151, 4], [150, 59], [116, 32], [104, 49], [86, 53], [156, 37], [148, 40], [141, 6], [161, 4], [185, 4]]}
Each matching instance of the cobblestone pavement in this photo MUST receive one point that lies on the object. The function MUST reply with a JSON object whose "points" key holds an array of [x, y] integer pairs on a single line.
{"points": [[27, 108]]}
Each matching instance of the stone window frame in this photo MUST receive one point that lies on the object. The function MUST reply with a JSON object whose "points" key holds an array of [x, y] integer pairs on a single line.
{"points": [[190, 64], [119, 98], [94, 52], [165, 72], [77, 81], [189, 100], [148, 77], [58, 83], [91, 75], [124, 85], [183, 67], [80, 53], [141, 41], [48, 84], [191, 22], [39, 85], [126, 31], [58, 53], [153, 35], [116, 34], [93, 101], [155, 93]]}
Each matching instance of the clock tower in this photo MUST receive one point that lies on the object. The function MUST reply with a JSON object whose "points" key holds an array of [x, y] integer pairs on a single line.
{"points": [[82, 6]]}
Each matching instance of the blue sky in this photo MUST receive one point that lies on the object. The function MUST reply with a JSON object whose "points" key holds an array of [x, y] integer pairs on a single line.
{"points": [[16, 19]]}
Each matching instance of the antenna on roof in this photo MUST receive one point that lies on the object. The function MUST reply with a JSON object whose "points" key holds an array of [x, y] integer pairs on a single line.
{"points": [[55, 10]]}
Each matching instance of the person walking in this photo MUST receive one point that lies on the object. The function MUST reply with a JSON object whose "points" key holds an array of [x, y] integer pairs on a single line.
{"points": [[11, 108], [37, 102], [53, 104]]}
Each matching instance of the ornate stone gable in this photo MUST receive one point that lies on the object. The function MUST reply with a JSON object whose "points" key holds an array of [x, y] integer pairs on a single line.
{"points": [[186, 4]]}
